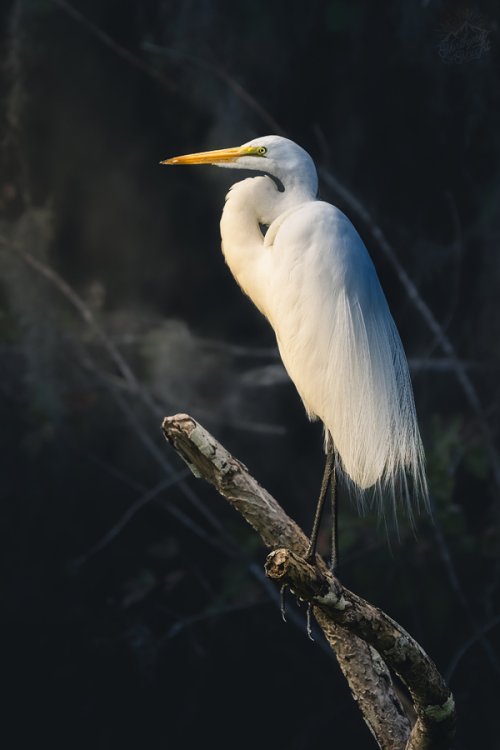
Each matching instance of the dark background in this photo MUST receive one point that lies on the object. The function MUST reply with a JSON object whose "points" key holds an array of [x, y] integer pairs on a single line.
{"points": [[135, 614]]}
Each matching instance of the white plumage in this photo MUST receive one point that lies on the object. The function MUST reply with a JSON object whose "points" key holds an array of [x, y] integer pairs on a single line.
{"points": [[313, 279]]}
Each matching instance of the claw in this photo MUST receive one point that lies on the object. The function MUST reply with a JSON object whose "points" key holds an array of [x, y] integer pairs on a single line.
{"points": [[308, 622], [282, 602]]}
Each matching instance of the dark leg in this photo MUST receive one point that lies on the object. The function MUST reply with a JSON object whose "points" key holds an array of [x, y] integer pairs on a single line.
{"points": [[334, 561], [329, 467]]}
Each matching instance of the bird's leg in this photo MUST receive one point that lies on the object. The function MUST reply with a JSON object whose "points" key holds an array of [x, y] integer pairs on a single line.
{"points": [[334, 560], [329, 466]]}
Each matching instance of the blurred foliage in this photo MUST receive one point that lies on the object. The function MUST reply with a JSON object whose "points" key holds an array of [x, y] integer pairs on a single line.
{"points": [[137, 611]]}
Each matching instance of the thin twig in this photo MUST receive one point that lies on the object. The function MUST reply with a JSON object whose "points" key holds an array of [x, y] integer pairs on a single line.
{"points": [[478, 634], [84, 310], [236, 350], [445, 364], [208, 614], [236, 87], [118, 49], [466, 646], [221, 542], [458, 247], [117, 473], [131, 511], [124, 368]]}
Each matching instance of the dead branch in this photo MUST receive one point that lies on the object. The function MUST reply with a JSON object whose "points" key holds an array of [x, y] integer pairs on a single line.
{"points": [[431, 697], [366, 641]]}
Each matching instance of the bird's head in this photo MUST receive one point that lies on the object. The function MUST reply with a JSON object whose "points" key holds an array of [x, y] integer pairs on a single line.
{"points": [[271, 154]]}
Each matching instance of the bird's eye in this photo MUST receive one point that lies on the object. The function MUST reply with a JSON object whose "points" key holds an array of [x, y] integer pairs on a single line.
{"points": [[262, 151]]}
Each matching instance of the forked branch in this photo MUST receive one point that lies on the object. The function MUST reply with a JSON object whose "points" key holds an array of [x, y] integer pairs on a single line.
{"points": [[366, 641]]}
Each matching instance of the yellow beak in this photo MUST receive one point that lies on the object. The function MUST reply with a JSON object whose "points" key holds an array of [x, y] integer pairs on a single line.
{"points": [[214, 157]]}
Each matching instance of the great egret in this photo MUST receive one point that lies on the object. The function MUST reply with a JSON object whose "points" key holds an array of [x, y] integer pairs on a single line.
{"points": [[311, 276]]}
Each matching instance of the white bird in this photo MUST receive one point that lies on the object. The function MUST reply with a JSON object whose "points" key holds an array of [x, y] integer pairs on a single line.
{"points": [[311, 276]]}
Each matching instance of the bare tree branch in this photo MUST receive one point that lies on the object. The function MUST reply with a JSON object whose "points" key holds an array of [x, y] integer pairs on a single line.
{"points": [[364, 638]]}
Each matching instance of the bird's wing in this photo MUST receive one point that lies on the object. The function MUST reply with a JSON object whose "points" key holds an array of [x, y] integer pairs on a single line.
{"points": [[341, 348]]}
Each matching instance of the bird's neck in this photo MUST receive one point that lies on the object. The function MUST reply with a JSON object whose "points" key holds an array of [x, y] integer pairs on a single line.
{"points": [[250, 204]]}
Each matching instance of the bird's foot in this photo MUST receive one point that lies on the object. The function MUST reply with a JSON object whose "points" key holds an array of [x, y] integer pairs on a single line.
{"points": [[299, 603], [308, 622]]}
